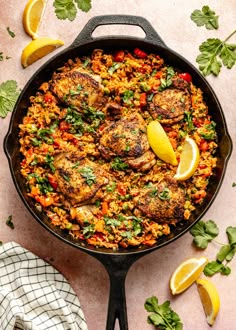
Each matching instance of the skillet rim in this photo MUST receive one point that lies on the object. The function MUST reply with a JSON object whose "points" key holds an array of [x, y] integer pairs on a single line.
{"points": [[226, 139]]}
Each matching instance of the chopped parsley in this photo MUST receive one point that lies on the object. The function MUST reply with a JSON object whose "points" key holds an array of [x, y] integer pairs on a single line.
{"points": [[49, 161], [167, 82], [88, 229], [189, 121], [128, 96], [165, 194], [119, 165], [12, 34], [87, 173], [115, 66], [9, 222], [111, 187], [75, 119], [66, 177]]}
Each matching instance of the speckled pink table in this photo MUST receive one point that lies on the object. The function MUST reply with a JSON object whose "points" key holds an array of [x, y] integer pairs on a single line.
{"points": [[150, 275]]}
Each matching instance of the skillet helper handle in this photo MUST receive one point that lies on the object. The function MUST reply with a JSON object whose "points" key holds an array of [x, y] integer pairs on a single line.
{"points": [[86, 34]]}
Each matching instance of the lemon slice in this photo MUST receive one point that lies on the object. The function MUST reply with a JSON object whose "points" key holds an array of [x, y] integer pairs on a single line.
{"points": [[37, 49], [32, 16], [160, 143], [186, 274], [189, 160], [210, 299]]}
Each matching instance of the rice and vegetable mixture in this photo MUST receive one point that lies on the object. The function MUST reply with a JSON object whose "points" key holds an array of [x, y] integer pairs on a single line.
{"points": [[87, 161]]}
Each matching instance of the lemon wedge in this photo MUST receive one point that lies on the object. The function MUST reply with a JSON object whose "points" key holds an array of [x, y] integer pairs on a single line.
{"points": [[32, 16], [160, 143], [37, 49], [186, 274], [189, 160], [210, 299]]}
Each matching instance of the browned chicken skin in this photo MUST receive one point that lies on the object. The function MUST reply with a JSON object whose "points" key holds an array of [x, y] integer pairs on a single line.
{"points": [[124, 138], [163, 202], [79, 179], [170, 104], [143, 163], [78, 89]]}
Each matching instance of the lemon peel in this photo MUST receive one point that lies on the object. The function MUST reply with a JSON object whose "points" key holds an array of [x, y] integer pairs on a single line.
{"points": [[189, 160], [39, 48], [210, 299], [160, 143], [186, 274], [32, 16]]}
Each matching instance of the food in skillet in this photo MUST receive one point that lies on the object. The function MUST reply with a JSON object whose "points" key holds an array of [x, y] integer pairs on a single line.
{"points": [[87, 159]]}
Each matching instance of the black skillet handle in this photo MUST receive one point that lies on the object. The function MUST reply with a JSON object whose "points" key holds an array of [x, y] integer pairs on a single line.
{"points": [[86, 34], [117, 267]]}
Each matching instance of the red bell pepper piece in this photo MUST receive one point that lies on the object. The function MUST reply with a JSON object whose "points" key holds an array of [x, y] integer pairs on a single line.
{"points": [[143, 99], [52, 181], [186, 76], [64, 126], [140, 53], [119, 56], [48, 98]]}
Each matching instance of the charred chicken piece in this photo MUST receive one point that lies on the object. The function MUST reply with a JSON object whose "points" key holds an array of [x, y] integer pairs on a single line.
{"points": [[124, 138], [170, 104], [143, 163], [162, 202], [79, 179], [77, 88]]}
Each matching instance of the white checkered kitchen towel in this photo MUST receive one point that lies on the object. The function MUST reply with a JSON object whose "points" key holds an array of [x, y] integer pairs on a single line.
{"points": [[34, 295]]}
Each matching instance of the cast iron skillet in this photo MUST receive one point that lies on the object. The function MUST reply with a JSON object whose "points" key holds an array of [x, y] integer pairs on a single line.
{"points": [[117, 263]]}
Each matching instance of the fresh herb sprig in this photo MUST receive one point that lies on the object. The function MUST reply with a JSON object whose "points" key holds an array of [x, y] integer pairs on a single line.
{"points": [[213, 52], [162, 316], [206, 17], [68, 9], [205, 232]]}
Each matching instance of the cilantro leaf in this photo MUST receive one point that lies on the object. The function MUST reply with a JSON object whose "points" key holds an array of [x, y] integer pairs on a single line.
{"points": [[162, 315], [207, 60], [84, 5], [65, 9], [227, 55], [203, 233], [231, 233], [167, 82], [212, 268], [214, 53], [8, 96], [206, 17], [226, 253], [11, 33], [9, 222]]}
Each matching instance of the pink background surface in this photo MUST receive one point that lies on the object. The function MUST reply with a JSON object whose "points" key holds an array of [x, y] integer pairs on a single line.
{"points": [[150, 275]]}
